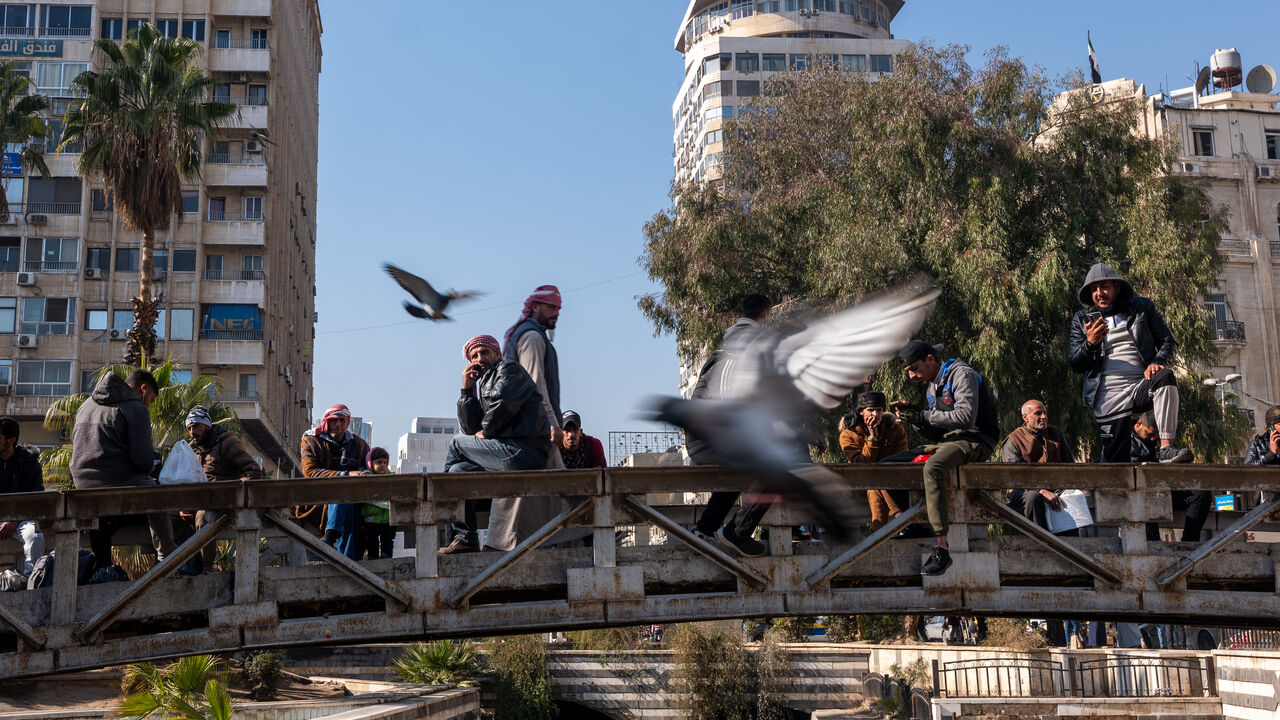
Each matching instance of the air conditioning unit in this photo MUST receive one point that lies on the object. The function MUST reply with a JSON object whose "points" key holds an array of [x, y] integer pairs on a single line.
{"points": [[4, 389], [26, 278], [10, 219], [252, 146], [1189, 167], [94, 273], [36, 219], [118, 334], [26, 341], [242, 77], [1266, 172], [271, 346]]}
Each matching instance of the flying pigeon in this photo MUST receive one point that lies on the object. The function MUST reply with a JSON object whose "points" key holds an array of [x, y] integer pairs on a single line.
{"points": [[431, 304], [763, 390]]}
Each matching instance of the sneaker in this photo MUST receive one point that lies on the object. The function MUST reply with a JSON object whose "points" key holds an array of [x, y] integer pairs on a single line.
{"points": [[705, 537], [1171, 454], [459, 545], [915, 531], [747, 547], [938, 562]]}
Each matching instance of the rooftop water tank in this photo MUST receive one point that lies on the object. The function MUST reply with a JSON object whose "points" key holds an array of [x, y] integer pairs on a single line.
{"points": [[1227, 68]]}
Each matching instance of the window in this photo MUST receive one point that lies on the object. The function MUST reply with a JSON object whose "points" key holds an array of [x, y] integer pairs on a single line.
{"points": [[800, 63], [743, 8], [253, 207], [1218, 308], [53, 255], [126, 259], [849, 7], [1202, 141], [825, 5], [67, 21], [10, 255], [251, 266], [8, 315], [184, 260], [747, 62], [258, 39], [99, 200], [257, 95], [222, 38], [131, 26], [158, 328], [43, 377], [248, 387], [193, 30], [714, 136], [1273, 144], [882, 63], [182, 323], [87, 380], [98, 257], [18, 19], [190, 203], [217, 208], [768, 6], [112, 28], [95, 319], [748, 88], [793, 5], [711, 90], [853, 63], [54, 196], [160, 261], [121, 320], [222, 92], [48, 316], [179, 377], [212, 267], [167, 28], [775, 61]]}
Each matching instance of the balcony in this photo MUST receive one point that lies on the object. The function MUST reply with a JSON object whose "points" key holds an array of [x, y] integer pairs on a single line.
{"points": [[251, 115], [52, 208], [16, 31], [67, 32], [1228, 331], [239, 170], [233, 286], [38, 266], [239, 55], [223, 228], [241, 8], [230, 347]]}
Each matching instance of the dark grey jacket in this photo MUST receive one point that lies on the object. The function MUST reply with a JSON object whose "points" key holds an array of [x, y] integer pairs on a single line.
{"points": [[506, 405], [111, 443], [1259, 452], [1147, 327], [961, 404]]}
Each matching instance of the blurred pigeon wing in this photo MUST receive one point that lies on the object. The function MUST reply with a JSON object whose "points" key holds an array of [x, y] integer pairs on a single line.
{"points": [[416, 286]]}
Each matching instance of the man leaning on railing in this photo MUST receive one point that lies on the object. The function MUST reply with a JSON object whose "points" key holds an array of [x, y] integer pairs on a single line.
{"points": [[20, 472]]}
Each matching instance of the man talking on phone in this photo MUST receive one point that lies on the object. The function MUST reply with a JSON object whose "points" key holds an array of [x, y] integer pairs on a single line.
{"points": [[1264, 449], [1122, 345]]}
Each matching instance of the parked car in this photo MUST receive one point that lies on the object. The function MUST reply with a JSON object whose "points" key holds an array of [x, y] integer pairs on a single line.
{"points": [[935, 629]]}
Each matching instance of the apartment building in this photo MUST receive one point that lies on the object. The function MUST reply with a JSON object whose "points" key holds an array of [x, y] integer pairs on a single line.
{"points": [[235, 278], [731, 48], [423, 448]]}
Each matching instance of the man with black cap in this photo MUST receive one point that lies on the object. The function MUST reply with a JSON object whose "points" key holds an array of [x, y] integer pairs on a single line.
{"points": [[961, 419], [1123, 346], [869, 435], [578, 449]]}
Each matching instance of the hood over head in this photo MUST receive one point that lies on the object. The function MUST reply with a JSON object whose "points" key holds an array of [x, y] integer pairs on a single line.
{"points": [[1098, 273], [112, 390]]}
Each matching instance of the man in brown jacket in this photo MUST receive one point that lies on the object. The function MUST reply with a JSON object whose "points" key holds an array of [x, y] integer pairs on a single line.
{"points": [[869, 435], [223, 457], [1035, 441]]}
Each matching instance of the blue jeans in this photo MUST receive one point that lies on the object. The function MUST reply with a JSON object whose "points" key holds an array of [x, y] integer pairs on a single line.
{"points": [[32, 544], [468, 453]]}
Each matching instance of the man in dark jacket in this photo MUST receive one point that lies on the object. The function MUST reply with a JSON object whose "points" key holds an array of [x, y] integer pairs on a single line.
{"points": [[1264, 448], [20, 472], [1144, 447], [579, 450], [961, 419], [223, 458], [1122, 345], [111, 447], [504, 427], [331, 450]]}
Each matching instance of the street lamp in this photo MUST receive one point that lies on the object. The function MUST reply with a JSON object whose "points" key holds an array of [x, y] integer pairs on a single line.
{"points": [[1223, 383]]}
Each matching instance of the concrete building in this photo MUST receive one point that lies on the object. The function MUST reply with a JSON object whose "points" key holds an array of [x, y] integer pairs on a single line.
{"points": [[1230, 141], [363, 428], [423, 448], [235, 278], [731, 48]]}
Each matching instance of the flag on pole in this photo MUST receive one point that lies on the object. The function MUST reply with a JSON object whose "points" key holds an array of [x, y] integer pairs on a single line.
{"points": [[1094, 71]]}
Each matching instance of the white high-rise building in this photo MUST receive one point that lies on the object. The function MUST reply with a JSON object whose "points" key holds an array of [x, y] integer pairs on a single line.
{"points": [[422, 449]]}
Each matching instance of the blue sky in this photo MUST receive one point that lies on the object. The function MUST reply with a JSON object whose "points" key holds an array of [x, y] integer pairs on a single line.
{"points": [[506, 145]]}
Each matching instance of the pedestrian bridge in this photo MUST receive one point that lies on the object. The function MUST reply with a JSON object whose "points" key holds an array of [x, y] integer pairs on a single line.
{"points": [[668, 576]]}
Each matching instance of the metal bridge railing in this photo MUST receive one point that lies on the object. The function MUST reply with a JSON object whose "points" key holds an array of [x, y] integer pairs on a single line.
{"points": [[1001, 677], [1145, 677]]}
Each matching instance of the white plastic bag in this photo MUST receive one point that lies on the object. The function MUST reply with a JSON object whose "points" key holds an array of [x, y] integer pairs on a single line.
{"points": [[182, 466], [1074, 513]]}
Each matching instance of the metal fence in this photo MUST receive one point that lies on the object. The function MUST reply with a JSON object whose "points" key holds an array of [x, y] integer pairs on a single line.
{"points": [[1120, 676], [1253, 640], [1002, 677], [1143, 677]]}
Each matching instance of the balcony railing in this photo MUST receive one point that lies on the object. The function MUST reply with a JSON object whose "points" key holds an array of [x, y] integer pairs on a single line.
{"points": [[50, 266], [242, 159], [233, 275], [53, 208], [46, 328], [16, 31], [247, 335], [241, 44], [233, 216], [247, 100], [1228, 331], [66, 32], [9, 266], [239, 396]]}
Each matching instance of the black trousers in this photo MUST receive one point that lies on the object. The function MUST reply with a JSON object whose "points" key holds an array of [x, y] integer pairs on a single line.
{"points": [[1196, 505], [744, 521], [1117, 433]]}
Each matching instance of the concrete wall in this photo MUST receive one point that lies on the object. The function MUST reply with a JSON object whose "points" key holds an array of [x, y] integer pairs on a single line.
{"points": [[1249, 683]]}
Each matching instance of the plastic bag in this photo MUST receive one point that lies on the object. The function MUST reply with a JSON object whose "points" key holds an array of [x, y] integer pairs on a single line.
{"points": [[12, 581], [182, 466]]}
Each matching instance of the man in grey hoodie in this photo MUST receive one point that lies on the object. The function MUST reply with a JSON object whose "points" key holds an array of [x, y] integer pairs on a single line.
{"points": [[111, 447], [1122, 345]]}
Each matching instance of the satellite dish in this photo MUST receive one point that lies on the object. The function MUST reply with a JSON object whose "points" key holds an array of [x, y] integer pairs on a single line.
{"points": [[1202, 80], [1261, 79]]}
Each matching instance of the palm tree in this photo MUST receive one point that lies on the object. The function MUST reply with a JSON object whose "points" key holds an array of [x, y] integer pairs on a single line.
{"points": [[192, 688], [142, 122], [168, 413], [20, 121], [443, 662]]}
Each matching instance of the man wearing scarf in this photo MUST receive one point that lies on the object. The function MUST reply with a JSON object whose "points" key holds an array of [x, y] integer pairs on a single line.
{"points": [[330, 450]]}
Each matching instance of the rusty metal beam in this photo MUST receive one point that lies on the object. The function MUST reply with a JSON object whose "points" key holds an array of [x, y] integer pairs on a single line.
{"points": [[1046, 538], [187, 550], [1219, 541], [869, 543], [713, 553], [28, 633], [524, 548], [389, 592]]}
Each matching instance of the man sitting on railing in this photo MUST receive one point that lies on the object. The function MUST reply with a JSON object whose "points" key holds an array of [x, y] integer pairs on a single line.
{"points": [[1035, 441], [504, 426], [1144, 448], [331, 450], [223, 457], [20, 472], [1264, 448], [111, 447]]}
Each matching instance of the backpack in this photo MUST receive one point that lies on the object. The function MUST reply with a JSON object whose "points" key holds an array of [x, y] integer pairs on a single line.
{"points": [[110, 573], [42, 572]]}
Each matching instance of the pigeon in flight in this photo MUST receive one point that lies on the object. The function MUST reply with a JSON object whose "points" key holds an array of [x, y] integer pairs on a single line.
{"points": [[431, 304], [763, 390]]}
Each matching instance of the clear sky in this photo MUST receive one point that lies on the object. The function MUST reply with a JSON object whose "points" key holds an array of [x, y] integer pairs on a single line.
{"points": [[506, 145]]}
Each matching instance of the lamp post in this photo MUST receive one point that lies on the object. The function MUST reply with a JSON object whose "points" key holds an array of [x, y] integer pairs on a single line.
{"points": [[1223, 383]]}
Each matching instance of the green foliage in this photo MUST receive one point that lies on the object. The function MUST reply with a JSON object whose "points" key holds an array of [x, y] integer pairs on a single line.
{"points": [[193, 688], [878, 628], [1213, 429], [1012, 633], [842, 628], [607, 639], [838, 186], [20, 120], [521, 683], [717, 678], [262, 674], [792, 629], [917, 674], [443, 662]]}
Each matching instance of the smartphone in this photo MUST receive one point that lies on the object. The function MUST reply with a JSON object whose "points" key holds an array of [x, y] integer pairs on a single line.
{"points": [[1091, 316]]}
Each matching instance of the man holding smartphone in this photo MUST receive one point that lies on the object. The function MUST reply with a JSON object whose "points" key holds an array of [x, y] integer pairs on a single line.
{"points": [[1122, 345], [1264, 449]]}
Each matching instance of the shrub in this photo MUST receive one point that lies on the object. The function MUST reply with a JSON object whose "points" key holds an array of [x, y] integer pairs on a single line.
{"points": [[521, 683], [718, 678], [1012, 633], [262, 674], [443, 662], [842, 628]]}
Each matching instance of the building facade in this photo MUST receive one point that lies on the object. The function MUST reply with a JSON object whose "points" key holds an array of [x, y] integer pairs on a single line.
{"points": [[235, 276], [423, 448], [731, 48]]}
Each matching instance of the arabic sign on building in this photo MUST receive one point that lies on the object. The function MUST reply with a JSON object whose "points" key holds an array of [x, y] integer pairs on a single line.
{"points": [[18, 47]]}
